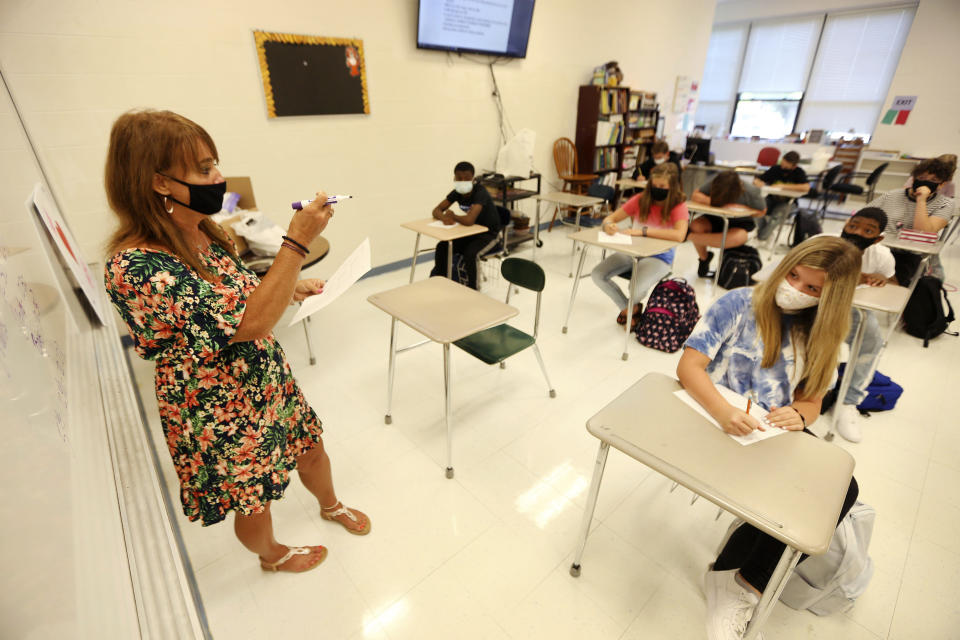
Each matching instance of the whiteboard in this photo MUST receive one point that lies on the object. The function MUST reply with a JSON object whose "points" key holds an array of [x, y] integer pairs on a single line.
{"points": [[87, 546]]}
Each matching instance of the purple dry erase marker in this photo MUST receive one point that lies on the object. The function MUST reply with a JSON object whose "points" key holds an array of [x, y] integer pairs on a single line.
{"points": [[300, 204]]}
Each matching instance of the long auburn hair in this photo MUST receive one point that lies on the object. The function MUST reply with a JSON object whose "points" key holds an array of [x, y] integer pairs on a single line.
{"points": [[143, 143], [674, 197], [816, 332], [725, 189]]}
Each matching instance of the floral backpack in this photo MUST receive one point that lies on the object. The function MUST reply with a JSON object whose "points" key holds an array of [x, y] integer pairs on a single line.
{"points": [[669, 317]]}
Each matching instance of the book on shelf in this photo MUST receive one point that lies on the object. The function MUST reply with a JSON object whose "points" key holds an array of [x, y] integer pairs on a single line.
{"points": [[605, 158]]}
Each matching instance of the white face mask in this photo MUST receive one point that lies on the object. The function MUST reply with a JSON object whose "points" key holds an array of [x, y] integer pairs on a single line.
{"points": [[659, 160], [789, 298], [463, 186]]}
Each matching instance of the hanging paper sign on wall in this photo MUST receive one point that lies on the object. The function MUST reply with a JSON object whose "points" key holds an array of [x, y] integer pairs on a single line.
{"points": [[899, 110]]}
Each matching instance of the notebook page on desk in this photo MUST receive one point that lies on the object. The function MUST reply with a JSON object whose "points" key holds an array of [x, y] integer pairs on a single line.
{"points": [[442, 225], [617, 238], [736, 400]]}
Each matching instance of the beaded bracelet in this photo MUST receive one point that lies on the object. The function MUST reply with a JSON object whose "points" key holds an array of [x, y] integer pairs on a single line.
{"points": [[291, 240], [287, 245]]}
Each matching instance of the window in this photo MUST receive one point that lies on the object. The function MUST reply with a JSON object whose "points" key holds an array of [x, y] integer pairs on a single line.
{"points": [[774, 77], [767, 115]]}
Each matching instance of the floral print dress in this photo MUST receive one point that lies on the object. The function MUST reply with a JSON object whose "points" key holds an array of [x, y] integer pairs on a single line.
{"points": [[233, 416]]}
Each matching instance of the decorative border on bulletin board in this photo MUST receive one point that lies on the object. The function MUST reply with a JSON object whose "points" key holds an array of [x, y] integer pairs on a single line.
{"points": [[261, 37]]}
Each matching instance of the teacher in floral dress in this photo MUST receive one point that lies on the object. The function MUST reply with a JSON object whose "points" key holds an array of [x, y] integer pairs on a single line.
{"points": [[235, 421]]}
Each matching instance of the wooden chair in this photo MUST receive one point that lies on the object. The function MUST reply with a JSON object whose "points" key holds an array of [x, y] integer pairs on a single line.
{"points": [[565, 159]]}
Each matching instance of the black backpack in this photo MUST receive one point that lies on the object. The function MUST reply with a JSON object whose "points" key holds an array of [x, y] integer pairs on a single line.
{"points": [[806, 224], [924, 316], [737, 267]]}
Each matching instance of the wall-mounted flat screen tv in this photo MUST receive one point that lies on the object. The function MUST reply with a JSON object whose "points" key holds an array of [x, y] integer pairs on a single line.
{"points": [[491, 27]]}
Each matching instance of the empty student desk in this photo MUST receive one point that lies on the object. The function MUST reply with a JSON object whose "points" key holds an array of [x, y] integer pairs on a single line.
{"points": [[791, 487], [565, 199], [446, 233], [444, 311], [889, 298], [629, 183], [639, 247], [723, 214]]}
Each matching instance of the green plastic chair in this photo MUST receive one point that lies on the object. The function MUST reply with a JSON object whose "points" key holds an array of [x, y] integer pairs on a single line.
{"points": [[496, 344]]}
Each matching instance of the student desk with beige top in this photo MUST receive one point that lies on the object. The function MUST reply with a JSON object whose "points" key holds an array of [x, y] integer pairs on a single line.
{"points": [[725, 215], [791, 487], [446, 233], [639, 247], [792, 194], [890, 298], [444, 311], [562, 199]]}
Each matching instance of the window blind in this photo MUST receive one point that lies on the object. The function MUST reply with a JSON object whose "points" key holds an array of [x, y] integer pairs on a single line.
{"points": [[779, 54], [719, 87], [857, 58]]}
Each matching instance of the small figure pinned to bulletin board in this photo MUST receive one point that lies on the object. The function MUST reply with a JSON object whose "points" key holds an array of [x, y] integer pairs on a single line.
{"points": [[311, 75]]}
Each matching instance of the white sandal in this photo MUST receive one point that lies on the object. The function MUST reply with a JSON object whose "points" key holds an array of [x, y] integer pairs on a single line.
{"points": [[338, 510], [295, 551]]}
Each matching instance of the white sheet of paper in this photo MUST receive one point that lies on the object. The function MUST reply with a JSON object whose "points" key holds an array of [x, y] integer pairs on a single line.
{"points": [[352, 269], [617, 238], [442, 225], [736, 400]]}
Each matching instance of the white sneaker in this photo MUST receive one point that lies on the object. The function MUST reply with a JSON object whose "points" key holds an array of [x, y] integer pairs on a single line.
{"points": [[848, 423], [729, 606]]}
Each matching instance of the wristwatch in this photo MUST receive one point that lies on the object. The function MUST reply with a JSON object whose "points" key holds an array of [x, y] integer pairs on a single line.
{"points": [[644, 231]]}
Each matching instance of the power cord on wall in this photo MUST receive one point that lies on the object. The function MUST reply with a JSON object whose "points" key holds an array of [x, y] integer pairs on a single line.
{"points": [[505, 128]]}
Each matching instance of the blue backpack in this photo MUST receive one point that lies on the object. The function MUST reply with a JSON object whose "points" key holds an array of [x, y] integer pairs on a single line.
{"points": [[882, 393]]}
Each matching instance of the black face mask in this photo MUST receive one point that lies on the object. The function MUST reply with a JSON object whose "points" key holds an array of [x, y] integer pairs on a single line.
{"points": [[659, 194], [204, 198], [857, 240], [933, 186]]}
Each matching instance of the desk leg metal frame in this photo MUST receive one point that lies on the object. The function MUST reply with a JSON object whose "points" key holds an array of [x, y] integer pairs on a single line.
{"points": [[416, 252], [449, 259], [536, 231], [591, 506], [446, 407], [573, 293], [723, 245], [848, 373], [771, 594], [391, 369], [306, 332], [630, 302]]}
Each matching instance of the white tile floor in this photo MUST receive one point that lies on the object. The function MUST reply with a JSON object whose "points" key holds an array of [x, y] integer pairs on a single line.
{"points": [[486, 555]]}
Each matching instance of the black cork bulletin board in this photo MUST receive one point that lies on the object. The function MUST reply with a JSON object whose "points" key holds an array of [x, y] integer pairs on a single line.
{"points": [[311, 75]]}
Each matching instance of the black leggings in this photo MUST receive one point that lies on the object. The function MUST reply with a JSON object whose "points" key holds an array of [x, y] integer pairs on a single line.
{"points": [[468, 247], [756, 554]]}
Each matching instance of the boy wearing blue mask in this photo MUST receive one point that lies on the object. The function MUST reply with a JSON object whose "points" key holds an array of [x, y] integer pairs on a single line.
{"points": [[473, 206]]}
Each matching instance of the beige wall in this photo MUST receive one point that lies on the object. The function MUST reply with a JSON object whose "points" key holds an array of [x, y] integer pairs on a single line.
{"points": [[927, 68], [74, 66]]}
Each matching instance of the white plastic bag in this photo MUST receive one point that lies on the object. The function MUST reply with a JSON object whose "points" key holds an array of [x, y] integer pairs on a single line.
{"points": [[515, 158], [820, 159], [263, 236]]}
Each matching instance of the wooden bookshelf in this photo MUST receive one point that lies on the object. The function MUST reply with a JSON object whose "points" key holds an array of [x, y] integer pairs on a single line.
{"points": [[614, 124]]}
